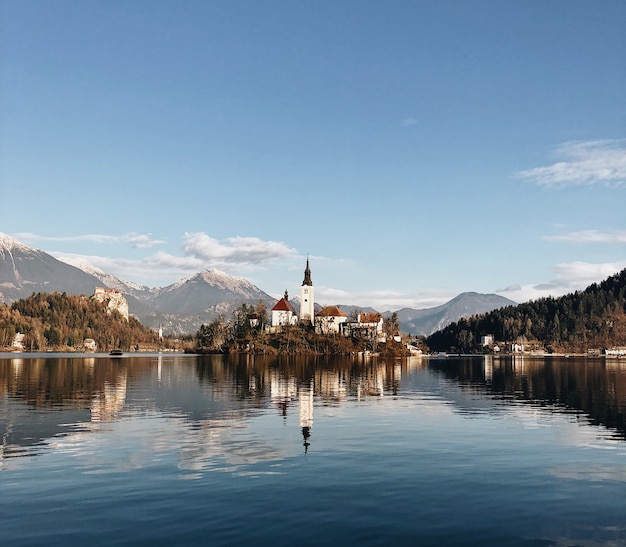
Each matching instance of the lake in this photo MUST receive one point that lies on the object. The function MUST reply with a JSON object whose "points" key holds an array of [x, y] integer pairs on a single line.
{"points": [[185, 450]]}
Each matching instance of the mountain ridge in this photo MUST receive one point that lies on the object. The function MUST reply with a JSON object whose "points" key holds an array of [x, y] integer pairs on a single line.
{"points": [[181, 307]]}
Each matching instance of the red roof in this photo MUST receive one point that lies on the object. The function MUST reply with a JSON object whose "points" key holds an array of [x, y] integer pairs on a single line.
{"points": [[331, 311], [283, 305], [370, 317]]}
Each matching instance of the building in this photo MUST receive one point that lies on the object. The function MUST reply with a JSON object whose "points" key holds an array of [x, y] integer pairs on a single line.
{"points": [[90, 345], [18, 340], [329, 320], [283, 313], [615, 352], [368, 326], [307, 300]]}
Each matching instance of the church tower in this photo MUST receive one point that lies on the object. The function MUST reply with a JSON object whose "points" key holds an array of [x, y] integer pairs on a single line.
{"points": [[307, 311]]}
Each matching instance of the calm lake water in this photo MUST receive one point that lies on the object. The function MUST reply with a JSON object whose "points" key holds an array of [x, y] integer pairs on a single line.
{"points": [[187, 450]]}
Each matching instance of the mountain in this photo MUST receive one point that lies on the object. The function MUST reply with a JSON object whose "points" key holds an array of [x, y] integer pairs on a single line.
{"points": [[429, 320], [205, 290], [179, 308], [109, 280], [24, 271], [579, 322], [182, 307]]}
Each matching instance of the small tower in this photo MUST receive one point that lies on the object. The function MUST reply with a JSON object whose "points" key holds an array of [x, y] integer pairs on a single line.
{"points": [[307, 310]]}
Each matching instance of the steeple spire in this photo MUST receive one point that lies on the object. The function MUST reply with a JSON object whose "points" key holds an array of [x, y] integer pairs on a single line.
{"points": [[307, 274], [307, 303]]}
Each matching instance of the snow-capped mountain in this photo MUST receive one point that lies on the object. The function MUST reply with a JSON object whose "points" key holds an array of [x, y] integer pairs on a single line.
{"points": [[108, 280], [24, 270], [204, 291], [180, 308]]}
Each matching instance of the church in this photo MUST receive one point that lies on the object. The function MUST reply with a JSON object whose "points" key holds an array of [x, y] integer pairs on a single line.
{"points": [[283, 312], [328, 320]]}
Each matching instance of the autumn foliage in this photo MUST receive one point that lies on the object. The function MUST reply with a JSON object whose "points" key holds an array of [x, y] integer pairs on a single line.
{"points": [[55, 321]]}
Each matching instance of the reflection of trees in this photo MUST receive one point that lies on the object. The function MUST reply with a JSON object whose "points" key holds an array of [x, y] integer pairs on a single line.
{"points": [[203, 391], [68, 381], [593, 387]]}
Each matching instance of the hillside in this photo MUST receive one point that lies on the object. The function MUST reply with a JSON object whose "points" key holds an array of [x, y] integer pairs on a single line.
{"points": [[592, 319], [427, 321], [60, 321]]}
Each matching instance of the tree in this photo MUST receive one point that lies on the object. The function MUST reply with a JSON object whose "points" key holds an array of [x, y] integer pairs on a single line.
{"points": [[214, 336], [52, 336], [391, 325]]}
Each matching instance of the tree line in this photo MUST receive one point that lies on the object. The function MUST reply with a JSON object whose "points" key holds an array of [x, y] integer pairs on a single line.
{"points": [[578, 322]]}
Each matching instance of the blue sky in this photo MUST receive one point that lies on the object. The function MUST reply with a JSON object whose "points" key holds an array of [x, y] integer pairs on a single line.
{"points": [[414, 150]]}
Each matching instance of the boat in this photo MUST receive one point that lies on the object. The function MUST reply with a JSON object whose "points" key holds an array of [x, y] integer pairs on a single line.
{"points": [[116, 353]]}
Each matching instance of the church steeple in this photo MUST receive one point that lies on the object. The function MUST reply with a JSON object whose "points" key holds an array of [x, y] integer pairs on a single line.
{"points": [[307, 274], [307, 303]]}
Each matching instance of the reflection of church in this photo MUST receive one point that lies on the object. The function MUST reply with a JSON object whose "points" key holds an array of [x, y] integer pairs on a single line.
{"points": [[306, 413], [284, 392]]}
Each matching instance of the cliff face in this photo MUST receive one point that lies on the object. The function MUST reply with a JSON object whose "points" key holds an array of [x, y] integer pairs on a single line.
{"points": [[114, 300]]}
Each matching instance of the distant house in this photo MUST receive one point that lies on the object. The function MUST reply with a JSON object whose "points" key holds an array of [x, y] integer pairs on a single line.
{"points": [[487, 340], [367, 325], [615, 352], [89, 344], [18, 340], [329, 320], [283, 313]]}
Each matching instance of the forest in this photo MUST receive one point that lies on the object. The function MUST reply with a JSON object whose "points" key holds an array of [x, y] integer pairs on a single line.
{"points": [[580, 322], [58, 321]]}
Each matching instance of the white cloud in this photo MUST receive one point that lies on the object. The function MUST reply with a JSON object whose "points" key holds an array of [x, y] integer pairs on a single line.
{"points": [[384, 300], [233, 255], [585, 163], [581, 274], [234, 250], [591, 236], [154, 270], [568, 277], [137, 241], [408, 122]]}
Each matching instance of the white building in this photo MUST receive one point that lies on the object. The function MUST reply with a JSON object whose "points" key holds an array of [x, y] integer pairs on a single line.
{"points": [[329, 320], [283, 313], [307, 300], [615, 352], [367, 325]]}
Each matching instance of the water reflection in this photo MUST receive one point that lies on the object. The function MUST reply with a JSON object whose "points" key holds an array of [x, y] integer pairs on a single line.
{"points": [[44, 398], [592, 389]]}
